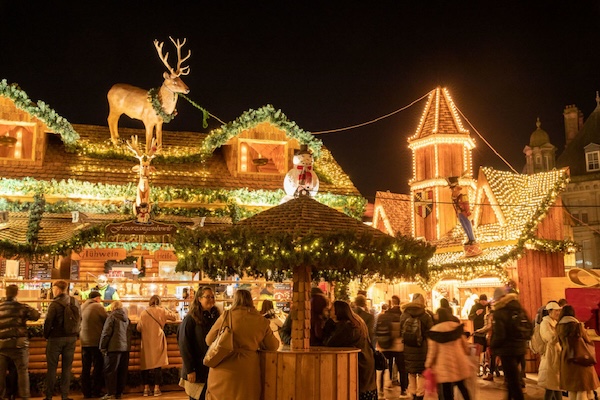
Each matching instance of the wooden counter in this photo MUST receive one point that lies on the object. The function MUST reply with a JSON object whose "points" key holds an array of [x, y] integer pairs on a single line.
{"points": [[325, 373]]}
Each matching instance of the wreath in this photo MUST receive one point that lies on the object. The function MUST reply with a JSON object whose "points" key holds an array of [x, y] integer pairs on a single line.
{"points": [[157, 106]]}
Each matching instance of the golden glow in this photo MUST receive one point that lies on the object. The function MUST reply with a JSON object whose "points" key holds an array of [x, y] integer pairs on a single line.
{"points": [[244, 157], [440, 138]]}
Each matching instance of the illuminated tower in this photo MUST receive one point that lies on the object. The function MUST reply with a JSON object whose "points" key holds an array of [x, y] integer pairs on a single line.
{"points": [[441, 148]]}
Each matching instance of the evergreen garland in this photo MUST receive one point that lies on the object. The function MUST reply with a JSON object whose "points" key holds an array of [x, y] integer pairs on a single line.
{"points": [[153, 98], [35, 219], [41, 111]]}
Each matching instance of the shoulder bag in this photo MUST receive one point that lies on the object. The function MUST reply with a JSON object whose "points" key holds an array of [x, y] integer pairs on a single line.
{"points": [[579, 351], [223, 344]]}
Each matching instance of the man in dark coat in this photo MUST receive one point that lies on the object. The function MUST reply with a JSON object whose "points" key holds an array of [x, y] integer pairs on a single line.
{"points": [[14, 340], [93, 316], [507, 342], [414, 357], [60, 343], [395, 353], [360, 303]]}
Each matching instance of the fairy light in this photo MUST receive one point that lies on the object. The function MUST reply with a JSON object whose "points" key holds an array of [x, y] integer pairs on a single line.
{"points": [[244, 157]]}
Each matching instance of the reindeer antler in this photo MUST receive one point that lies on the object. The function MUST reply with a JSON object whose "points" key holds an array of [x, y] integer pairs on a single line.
{"points": [[165, 58], [134, 147]]}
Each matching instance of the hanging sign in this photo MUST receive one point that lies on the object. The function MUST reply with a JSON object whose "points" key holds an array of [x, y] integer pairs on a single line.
{"points": [[135, 228], [424, 203]]}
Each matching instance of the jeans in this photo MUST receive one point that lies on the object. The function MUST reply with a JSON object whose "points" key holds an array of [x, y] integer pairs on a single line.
{"points": [[416, 385], [91, 383], [65, 347], [512, 376], [448, 390], [398, 358], [20, 356], [116, 364]]}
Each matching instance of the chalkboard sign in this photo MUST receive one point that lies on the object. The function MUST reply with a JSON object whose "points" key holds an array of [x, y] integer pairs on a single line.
{"points": [[41, 269]]}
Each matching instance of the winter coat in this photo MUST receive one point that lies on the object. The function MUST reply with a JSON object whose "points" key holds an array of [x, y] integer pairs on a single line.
{"points": [[238, 376], [503, 340], [345, 334], [414, 357], [191, 338], [447, 352], [369, 321], [393, 317], [55, 317], [153, 352], [478, 320], [93, 316], [549, 371], [573, 377], [13, 323], [115, 334]]}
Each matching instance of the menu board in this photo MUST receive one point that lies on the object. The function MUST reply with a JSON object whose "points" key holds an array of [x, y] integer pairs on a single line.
{"points": [[283, 296], [41, 269], [22, 268]]}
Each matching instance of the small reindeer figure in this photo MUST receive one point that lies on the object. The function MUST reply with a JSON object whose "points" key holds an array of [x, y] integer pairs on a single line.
{"points": [[134, 102], [142, 205]]}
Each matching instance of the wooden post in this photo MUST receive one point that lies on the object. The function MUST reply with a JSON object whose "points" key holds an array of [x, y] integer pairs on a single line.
{"points": [[301, 308]]}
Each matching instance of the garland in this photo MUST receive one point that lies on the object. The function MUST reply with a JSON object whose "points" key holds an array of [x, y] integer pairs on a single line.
{"points": [[333, 256], [250, 119], [153, 98], [205, 113], [35, 219], [41, 111]]}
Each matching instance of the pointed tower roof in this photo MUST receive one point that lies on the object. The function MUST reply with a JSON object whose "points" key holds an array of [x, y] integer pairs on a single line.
{"points": [[574, 154], [440, 116]]}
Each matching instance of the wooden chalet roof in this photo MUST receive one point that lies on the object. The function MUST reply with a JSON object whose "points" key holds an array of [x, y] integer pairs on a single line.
{"points": [[211, 174], [508, 207], [392, 213], [574, 154], [440, 116], [304, 215]]}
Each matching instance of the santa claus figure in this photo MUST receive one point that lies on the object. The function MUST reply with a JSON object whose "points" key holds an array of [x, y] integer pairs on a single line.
{"points": [[301, 180]]}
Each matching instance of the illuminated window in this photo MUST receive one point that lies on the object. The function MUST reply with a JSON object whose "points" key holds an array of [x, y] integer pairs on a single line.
{"points": [[263, 157], [17, 141]]}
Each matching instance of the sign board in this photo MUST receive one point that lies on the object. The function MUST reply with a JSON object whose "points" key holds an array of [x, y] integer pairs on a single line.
{"points": [[41, 269], [152, 228], [103, 254], [20, 271], [165, 255]]}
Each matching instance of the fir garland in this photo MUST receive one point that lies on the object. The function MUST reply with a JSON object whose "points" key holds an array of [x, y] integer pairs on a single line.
{"points": [[35, 219], [250, 119], [41, 111], [153, 98]]}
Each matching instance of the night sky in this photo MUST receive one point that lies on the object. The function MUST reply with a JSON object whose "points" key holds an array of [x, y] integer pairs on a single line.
{"points": [[325, 66]]}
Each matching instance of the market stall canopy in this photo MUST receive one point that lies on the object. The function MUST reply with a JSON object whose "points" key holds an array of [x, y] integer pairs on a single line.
{"points": [[300, 232]]}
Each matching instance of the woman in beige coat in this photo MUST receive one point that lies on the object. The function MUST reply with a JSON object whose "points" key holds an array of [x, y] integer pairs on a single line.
{"points": [[153, 354], [238, 376], [549, 371]]}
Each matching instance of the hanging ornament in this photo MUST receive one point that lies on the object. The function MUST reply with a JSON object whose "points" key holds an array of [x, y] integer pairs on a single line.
{"points": [[302, 179]]}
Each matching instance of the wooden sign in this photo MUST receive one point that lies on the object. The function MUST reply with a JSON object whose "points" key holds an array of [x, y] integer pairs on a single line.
{"points": [[135, 228], [165, 255], [103, 254]]}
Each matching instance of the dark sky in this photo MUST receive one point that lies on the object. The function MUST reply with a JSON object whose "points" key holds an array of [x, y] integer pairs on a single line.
{"points": [[326, 66]]}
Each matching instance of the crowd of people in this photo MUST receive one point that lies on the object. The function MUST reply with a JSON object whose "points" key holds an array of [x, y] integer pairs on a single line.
{"points": [[425, 351]]}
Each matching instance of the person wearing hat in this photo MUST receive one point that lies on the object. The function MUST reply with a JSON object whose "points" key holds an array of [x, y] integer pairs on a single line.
{"points": [[106, 291], [93, 316], [461, 205], [549, 370]]}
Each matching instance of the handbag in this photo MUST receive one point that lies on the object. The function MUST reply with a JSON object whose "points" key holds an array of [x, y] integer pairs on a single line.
{"points": [[380, 360], [222, 345], [580, 352]]}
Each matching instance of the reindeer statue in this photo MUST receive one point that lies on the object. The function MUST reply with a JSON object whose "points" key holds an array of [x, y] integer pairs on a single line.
{"points": [[142, 205], [151, 108]]}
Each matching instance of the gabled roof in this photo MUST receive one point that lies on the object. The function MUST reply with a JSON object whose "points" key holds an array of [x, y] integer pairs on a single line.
{"points": [[574, 154], [440, 116], [392, 213], [518, 201]]}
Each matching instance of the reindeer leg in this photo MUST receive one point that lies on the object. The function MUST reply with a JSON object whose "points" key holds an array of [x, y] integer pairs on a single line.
{"points": [[149, 134], [113, 124], [159, 134]]}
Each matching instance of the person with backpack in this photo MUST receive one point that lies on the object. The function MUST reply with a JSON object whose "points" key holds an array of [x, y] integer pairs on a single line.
{"points": [[61, 328], [549, 370], [511, 330], [389, 341], [415, 322], [14, 340]]}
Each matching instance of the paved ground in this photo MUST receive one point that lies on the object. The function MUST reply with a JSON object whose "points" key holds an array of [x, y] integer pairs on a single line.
{"points": [[485, 391]]}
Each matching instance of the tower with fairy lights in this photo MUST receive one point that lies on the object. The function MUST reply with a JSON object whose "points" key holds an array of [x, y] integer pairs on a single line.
{"points": [[441, 148]]}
